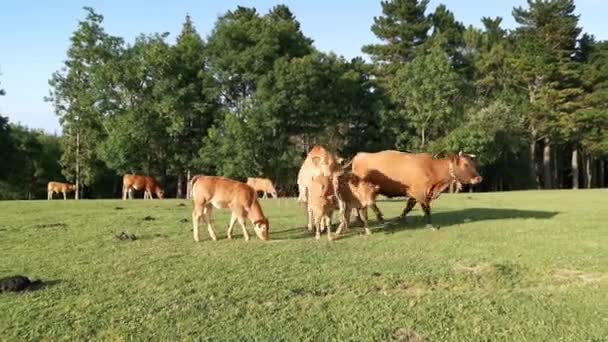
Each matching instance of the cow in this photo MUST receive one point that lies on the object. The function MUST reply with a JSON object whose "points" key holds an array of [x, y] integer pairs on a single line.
{"points": [[319, 161], [140, 182], [262, 184], [355, 193], [420, 177], [57, 187], [221, 192], [321, 202]]}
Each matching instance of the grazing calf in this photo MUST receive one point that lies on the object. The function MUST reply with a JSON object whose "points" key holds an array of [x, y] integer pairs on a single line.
{"points": [[355, 193], [220, 192], [321, 202], [57, 187], [139, 182], [262, 184]]}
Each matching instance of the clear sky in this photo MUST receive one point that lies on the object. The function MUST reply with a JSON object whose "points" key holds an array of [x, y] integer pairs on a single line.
{"points": [[34, 35]]}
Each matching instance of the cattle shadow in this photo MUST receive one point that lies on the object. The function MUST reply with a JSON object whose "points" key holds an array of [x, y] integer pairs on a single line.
{"points": [[457, 217]]}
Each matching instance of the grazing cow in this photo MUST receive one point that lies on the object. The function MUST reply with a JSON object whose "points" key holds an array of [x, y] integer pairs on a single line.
{"points": [[262, 184], [220, 192], [321, 203], [139, 182], [57, 187], [319, 161], [355, 193], [420, 177]]}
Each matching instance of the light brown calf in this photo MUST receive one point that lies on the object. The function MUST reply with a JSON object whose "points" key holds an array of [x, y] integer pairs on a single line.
{"points": [[57, 187], [321, 202], [139, 182], [355, 193], [220, 192], [262, 184]]}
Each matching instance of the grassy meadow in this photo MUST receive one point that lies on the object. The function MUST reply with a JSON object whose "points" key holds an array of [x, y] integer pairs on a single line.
{"points": [[517, 266]]}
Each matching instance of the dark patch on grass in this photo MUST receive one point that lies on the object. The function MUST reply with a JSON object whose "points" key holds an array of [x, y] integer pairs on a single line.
{"points": [[181, 205], [118, 208], [19, 283], [125, 236], [51, 225], [183, 220], [161, 235], [316, 292], [149, 218], [376, 274]]}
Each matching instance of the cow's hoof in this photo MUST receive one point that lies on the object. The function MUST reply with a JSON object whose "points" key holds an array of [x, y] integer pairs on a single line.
{"points": [[368, 232], [229, 237], [432, 226], [318, 237]]}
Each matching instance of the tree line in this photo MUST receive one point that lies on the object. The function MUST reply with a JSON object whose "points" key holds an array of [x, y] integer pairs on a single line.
{"points": [[253, 96]]}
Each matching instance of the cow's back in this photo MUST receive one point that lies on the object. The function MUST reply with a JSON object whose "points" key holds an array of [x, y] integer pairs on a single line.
{"points": [[222, 190], [394, 171]]}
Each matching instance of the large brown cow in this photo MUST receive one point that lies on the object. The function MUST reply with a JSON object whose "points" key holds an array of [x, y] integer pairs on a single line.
{"points": [[420, 177], [139, 182], [262, 184], [318, 162], [57, 187], [220, 192]]}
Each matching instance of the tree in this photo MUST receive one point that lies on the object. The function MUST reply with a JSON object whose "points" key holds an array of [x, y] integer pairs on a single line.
{"points": [[403, 27], [75, 94], [426, 93], [546, 41]]}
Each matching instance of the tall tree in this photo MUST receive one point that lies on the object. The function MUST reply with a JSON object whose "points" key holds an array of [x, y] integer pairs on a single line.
{"points": [[75, 96], [403, 27]]}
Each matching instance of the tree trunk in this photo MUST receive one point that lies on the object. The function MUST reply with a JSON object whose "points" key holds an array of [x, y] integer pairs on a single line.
{"points": [[77, 192], [557, 174], [602, 175], [188, 184], [533, 164], [180, 186], [575, 172], [588, 172], [547, 174]]}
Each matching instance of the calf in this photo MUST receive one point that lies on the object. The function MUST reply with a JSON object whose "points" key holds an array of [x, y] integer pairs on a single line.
{"points": [[220, 192], [321, 202], [355, 193], [140, 182], [57, 187], [262, 184]]}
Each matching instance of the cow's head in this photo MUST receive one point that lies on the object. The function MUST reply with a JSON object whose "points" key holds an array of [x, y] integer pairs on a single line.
{"points": [[160, 192], [367, 192], [323, 166], [463, 168], [262, 229], [72, 187]]}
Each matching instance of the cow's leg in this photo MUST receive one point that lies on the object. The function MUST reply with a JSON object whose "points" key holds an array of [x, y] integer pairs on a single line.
{"points": [[207, 216], [265, 195], [197, 214], [233, 220], [327, 221], [241, 219], [377, 212], [49, 195], [363, 214], [310, 224], [427, 215], [411, 202], [344, 218], [65, 196]]}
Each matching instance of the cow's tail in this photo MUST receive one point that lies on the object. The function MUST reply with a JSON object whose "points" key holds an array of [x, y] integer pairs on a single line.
{"points": [[348, 164], [192, 181]]}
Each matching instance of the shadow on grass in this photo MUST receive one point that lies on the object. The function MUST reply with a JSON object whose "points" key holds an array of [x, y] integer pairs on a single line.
{"points": [[469, 215]]}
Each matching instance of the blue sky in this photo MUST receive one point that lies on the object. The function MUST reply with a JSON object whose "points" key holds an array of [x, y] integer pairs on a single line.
{"points": [[34, 35]]}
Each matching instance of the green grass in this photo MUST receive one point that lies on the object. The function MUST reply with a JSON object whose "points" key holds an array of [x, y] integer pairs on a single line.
{"points": [[519, 266]]}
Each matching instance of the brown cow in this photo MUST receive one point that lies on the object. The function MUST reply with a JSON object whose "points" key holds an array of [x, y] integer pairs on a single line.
{"points": [[139, 182], [319, 161], [321, 202], [57, 187], [355, 193], [417, 176], [262, 184], [220, 192]]}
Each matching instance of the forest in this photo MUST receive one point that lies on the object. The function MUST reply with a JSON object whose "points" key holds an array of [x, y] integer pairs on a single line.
{"points": [[255, 95]]}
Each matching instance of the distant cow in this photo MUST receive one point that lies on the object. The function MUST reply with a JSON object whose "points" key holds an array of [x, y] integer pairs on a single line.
{"points": [[139, 182], [321, 202], [355, 193], [262, 184], [319, 161], [420, 177], [220, 192], [57, 187]]}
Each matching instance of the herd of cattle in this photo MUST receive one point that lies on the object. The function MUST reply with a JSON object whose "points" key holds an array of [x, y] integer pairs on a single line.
{"points": [[324, 185]]}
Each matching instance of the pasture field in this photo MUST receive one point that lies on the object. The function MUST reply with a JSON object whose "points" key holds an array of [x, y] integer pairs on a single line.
{"points": [[517, 266]]}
